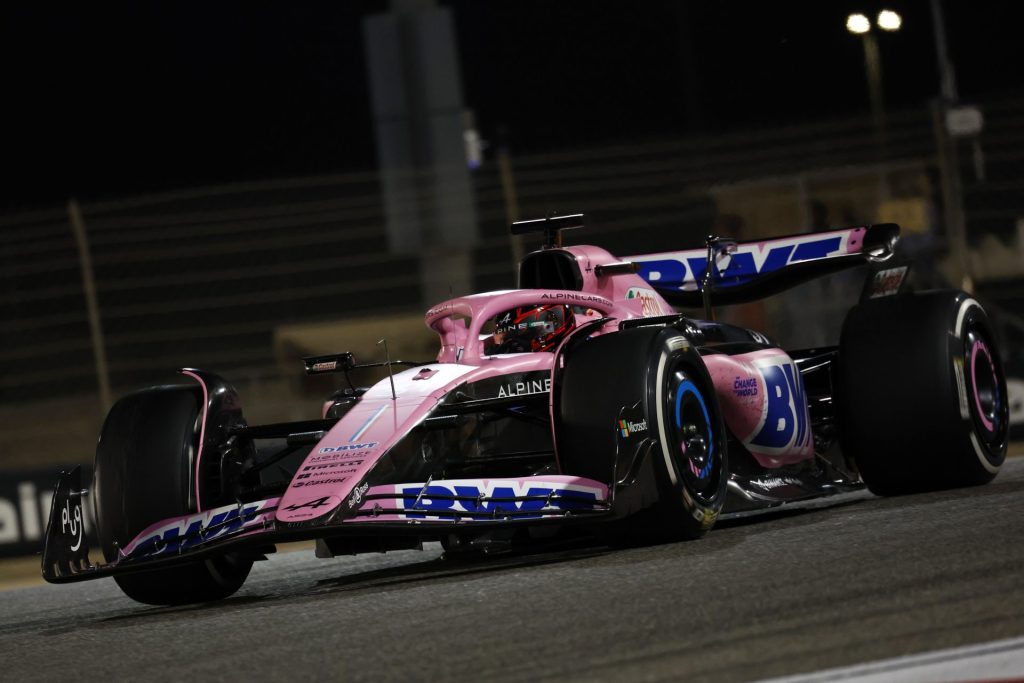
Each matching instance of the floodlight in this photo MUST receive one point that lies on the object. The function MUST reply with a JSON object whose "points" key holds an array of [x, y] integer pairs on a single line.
{"points": [[857, 23], [888, 20]]}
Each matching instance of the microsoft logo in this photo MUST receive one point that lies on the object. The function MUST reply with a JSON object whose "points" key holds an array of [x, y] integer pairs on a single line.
{"points": [[626, 428]]}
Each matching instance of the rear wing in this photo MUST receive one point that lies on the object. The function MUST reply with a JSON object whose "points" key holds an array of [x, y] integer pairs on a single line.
{"points": [[746, 271]]}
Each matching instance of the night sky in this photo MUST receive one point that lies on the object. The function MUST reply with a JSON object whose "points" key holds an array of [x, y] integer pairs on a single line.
{"points": [[106, 101]]}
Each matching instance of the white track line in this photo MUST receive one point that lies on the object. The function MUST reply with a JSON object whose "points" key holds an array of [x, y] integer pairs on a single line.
{"points": [[997, 660]]}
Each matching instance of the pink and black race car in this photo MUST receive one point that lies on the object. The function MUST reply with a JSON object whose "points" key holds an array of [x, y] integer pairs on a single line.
{"points": [[580, 403]]}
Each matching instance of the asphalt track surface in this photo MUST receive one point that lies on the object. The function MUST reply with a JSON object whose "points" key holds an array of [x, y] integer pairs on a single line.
{"points": [[859, 581]]}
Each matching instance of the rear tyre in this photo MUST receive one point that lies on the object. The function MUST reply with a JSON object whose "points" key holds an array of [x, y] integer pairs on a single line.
{"points": [[143, 474], [645, 392], [923, 402]]}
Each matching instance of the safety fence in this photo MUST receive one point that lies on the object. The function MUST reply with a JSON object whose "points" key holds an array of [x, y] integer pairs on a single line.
{"points": [[202, 277]]}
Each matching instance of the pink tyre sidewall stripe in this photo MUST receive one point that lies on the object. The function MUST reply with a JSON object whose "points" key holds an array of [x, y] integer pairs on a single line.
{"points": [[979, 345]]}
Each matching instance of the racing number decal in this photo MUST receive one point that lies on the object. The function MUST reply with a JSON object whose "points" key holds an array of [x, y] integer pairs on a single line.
{"points": [[785, 423]]}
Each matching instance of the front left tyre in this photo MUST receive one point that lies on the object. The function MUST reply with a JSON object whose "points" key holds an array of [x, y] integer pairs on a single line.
{"points": [[144, 474]]}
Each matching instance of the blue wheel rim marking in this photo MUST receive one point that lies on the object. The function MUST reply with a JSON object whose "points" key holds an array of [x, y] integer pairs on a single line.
{"points": [[688, 387]]}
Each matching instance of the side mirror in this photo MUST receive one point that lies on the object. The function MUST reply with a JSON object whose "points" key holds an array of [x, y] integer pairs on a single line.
{"points": [[334, 362]]}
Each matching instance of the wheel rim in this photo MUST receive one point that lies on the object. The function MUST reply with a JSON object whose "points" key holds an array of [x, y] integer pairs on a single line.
{"points": [[987, 395], [692, 437]]}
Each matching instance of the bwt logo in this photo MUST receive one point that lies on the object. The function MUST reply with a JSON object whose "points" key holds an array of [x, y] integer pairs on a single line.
{"points": [[189, 531], [785, 426], [687, 268], [348, 447], [486, 500]]}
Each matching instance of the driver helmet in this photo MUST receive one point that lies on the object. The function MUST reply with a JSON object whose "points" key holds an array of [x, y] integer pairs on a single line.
{"points": [[532, 328]]}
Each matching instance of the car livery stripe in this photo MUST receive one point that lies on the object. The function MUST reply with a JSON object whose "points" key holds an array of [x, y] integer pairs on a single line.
{"points": [[369, 421], [202, 432], [178, 534]]}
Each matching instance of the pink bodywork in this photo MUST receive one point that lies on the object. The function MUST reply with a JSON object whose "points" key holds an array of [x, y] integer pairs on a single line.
{"points": [[742, 394], [377, 422], [346, 454]]}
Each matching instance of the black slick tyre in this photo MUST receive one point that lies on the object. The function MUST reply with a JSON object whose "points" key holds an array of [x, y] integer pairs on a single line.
{"points": [[143, 474], [644, 396], [922, 400]]}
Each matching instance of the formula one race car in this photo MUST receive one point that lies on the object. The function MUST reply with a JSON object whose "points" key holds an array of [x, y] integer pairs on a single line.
{"points": [[581, 402]]}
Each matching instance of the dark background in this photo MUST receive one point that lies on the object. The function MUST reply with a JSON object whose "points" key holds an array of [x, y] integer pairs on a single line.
{"points": [[104, 101]]}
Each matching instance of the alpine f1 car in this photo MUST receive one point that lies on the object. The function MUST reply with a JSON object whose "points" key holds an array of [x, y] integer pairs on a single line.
{"points": [[580, 402]]}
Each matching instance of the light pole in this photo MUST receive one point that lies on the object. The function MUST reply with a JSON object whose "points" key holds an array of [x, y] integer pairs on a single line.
{"points": [[949, 165], [860, 24]]}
